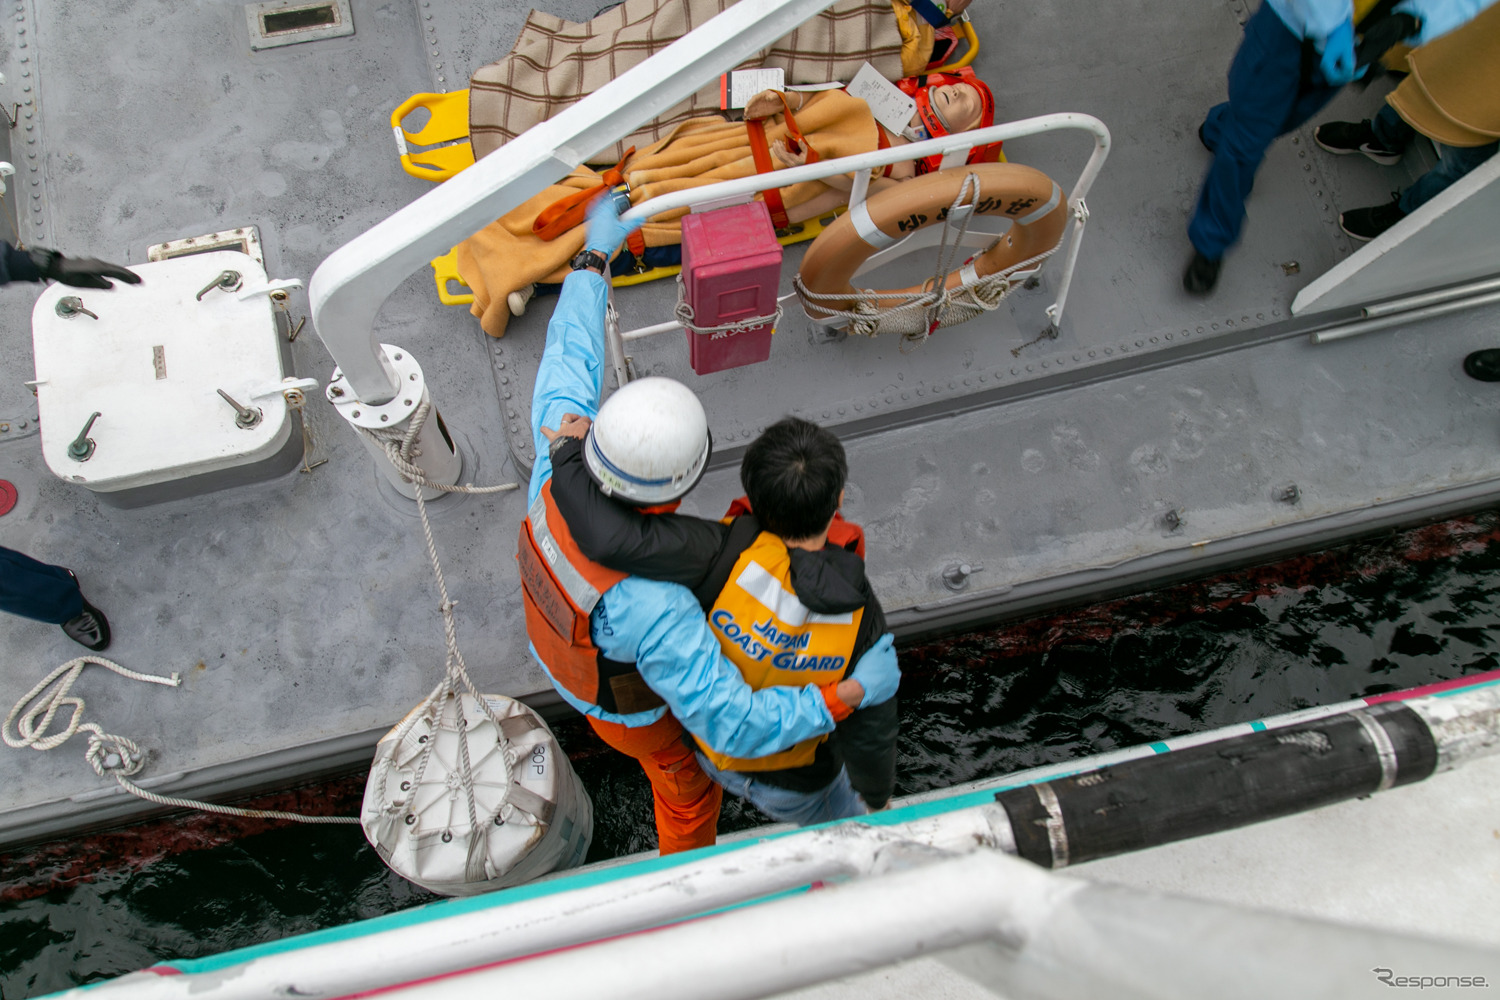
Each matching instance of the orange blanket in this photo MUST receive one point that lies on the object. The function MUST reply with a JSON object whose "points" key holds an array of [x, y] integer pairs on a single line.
{"points": [[505, 256]]}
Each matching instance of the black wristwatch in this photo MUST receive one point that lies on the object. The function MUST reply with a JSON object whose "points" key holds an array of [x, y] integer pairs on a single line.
{"points": [[589, 260]]}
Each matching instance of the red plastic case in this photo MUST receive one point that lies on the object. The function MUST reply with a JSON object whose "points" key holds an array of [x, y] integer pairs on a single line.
{"points": [[731, 268]]}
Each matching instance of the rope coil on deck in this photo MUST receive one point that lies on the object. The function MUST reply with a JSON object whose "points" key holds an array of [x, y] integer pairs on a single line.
{"points": [[108, 754]]}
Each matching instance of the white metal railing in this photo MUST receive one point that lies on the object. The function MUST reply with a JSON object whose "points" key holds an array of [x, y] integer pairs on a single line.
{"points": [[954, 149], [348, 288]]}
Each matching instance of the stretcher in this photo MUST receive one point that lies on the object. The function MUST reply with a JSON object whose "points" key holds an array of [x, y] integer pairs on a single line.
{"points": [[440, 149]]}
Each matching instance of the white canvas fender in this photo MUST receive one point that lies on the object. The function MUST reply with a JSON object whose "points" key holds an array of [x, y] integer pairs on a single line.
{"points": [[528, 813]]}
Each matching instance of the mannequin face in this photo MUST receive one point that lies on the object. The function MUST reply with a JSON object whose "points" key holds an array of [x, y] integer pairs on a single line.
{"points": [[958, 105]]}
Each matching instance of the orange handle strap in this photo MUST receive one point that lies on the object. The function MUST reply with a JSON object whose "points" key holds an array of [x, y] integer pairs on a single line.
{"points": [[760, 152], [570, 211]]}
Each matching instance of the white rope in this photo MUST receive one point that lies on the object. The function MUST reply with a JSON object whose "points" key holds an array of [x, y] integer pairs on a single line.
{"points": [[684, 314], [108, 754], [916, 315], [398, 447]]}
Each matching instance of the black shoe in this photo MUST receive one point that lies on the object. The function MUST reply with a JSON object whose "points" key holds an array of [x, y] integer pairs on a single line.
{"points": [[1368, 223], [1203, 139], [1201, 275], [88, 628], [1484, 365], [1343, 138]]}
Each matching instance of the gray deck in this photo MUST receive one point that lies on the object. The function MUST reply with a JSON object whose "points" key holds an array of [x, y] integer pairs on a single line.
{"points": [[301, 612]]}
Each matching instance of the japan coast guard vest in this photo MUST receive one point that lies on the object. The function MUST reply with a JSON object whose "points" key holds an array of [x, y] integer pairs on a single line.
{"points": [[560, 587], [767, 632]]}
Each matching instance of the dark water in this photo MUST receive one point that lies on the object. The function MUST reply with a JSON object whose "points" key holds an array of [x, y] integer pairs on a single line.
{"points": [[1390, 613]]}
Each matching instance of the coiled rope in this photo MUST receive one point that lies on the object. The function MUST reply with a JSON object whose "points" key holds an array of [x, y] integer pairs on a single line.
{"points": [[916, 315], [109, 755]]}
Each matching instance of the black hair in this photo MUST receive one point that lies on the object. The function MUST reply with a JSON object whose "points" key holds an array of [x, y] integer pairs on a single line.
{"points": [[793, 474]]}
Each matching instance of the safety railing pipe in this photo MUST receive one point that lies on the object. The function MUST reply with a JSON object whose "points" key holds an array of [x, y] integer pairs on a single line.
{"points": [[349, 287], [962, 142]]}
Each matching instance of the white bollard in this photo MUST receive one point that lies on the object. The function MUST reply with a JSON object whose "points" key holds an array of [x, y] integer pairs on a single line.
{"points": [[433, 451]]}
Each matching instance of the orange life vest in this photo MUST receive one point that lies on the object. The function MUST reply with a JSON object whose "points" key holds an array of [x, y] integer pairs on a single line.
{"points": [[560, 587], [767, 632]]}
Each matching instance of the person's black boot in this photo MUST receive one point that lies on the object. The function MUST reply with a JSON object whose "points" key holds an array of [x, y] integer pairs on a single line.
{"points": [[88, 628], [1484, 365], [1201, 275]]}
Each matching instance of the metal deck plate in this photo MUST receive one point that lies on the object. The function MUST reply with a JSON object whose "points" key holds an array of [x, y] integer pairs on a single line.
{"points": [[301, 611]]}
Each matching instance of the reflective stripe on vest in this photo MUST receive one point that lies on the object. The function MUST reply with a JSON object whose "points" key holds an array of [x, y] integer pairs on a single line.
{"points": [[582, 593], [559, 588], [773, 638]]}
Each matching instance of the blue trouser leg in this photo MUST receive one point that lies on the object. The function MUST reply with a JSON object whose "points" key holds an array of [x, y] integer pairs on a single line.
{"points": [[1391, 130], [36, 590], [1266, 99], [1453, 162], [837, 800]]}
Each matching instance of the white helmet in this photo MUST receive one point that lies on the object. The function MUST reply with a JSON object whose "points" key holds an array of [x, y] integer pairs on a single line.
{"points": [[650, 442]]}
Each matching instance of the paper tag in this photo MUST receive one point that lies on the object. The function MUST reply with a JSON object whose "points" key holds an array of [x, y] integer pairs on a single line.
{"points": [[891, 108], [736, 88]]}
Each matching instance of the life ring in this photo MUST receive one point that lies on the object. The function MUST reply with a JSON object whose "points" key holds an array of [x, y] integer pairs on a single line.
{"points": [[1029, 198]]}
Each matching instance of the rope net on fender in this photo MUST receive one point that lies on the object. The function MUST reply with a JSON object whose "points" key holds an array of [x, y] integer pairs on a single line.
{"points": [[916, 315]]}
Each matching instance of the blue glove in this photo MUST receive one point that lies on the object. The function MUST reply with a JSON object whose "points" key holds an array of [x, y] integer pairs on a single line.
{"points": [[606, 231], [877, 672], [1337, 64]]}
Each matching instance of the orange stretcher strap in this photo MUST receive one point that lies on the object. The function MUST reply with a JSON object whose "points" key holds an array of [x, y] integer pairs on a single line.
{"points": [[760, 152], [570, 211]]}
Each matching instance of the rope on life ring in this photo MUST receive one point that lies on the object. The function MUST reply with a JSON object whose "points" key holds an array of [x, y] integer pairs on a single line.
{"points": [[1032, 201]]}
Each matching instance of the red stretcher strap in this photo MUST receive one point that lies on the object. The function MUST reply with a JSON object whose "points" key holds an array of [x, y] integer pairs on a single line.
{"points": [[760, 152]]}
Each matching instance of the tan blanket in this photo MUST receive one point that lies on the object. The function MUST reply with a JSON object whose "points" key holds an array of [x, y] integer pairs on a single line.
{"points": [[556, 63], [505, 256], [1453, 93]]}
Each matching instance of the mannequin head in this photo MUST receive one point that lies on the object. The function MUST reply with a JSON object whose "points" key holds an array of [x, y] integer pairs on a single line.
{"points": [[949, 103]]}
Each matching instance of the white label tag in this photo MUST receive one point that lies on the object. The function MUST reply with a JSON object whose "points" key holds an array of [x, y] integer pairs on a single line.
{"points": [[891, 108], [736, 88]]}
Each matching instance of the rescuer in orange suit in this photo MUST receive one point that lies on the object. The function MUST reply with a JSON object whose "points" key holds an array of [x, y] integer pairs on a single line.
{"points": [[636, 656]]}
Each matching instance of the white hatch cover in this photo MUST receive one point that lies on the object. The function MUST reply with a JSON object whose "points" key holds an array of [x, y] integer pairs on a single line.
{"points": [[150, 359]]}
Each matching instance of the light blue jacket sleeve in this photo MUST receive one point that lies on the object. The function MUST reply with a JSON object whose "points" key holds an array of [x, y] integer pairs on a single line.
{"points": [[661, 626], [1439, 17], [1313, 19], [570, 377]]}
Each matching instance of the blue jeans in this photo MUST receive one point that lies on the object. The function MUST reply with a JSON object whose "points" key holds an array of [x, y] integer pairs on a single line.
{"points": [[837, 800], [1267, 98], [36, 590], [1453, 161]]}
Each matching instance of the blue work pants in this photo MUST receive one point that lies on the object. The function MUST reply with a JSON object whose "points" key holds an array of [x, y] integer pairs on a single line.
{"points": [[1267, 98], [36, 590], [836, 800]]}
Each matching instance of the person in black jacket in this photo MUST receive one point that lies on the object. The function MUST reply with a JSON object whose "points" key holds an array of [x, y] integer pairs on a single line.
{"points": [[783, 581]]}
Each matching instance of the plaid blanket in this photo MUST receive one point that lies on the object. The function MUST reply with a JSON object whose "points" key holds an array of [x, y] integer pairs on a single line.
{"points": [[555, 63]]}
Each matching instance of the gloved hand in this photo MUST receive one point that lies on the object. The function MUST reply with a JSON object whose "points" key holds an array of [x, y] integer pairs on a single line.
{"points": [[1382, 35], [79, 272], [606, 231], [877, 672], [1337, 64]]}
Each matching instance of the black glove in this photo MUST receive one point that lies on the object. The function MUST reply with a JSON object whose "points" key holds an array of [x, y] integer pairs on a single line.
{"points": [[1379, 37], [80, 272]]}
